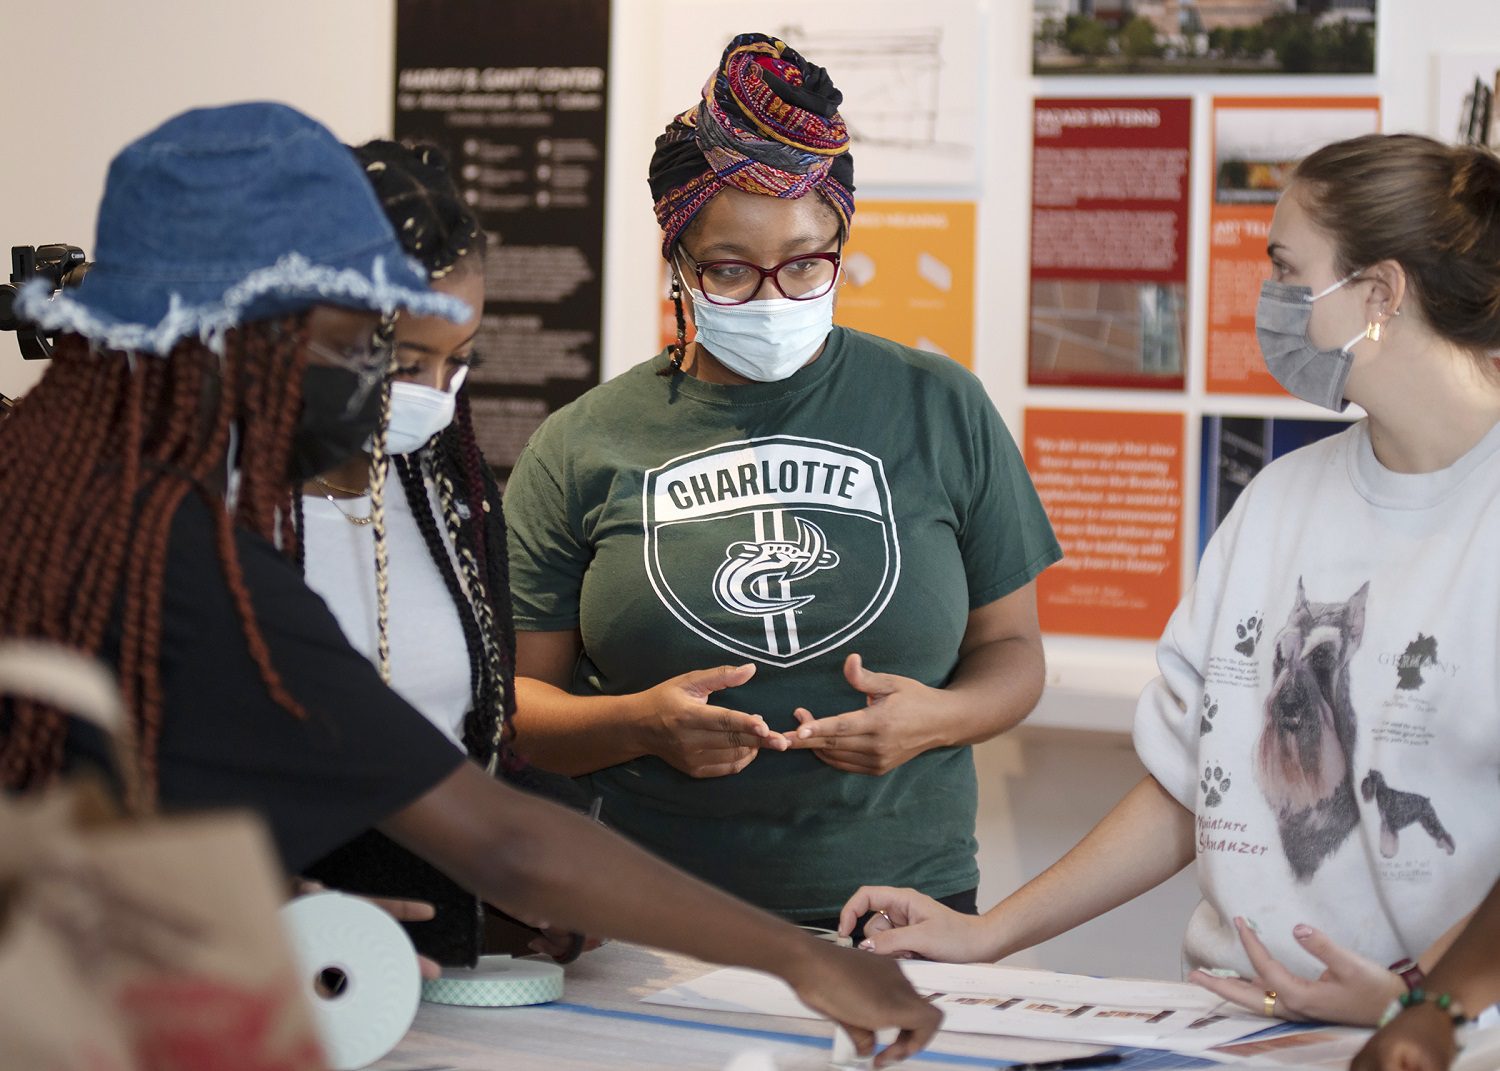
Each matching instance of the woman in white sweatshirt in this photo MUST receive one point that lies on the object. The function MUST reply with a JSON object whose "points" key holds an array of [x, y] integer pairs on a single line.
{"points": [[1335, 779]]}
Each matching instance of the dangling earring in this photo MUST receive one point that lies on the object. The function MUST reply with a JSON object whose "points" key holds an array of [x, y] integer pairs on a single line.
{"points": [[1374, 331], [679, 349]]}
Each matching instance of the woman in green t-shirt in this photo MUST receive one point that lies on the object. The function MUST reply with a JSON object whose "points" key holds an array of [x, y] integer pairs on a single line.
{"points": [[765, 614]]}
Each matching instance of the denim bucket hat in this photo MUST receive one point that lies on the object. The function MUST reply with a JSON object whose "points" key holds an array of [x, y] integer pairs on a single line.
{"points": [[222, 216]]}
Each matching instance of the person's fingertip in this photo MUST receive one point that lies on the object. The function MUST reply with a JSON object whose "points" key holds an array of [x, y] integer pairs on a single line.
{"points": [[1302, 931], [867, 945]]}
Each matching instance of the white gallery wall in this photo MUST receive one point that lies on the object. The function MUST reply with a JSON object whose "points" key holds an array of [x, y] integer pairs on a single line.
{"points": [[89, 75]]}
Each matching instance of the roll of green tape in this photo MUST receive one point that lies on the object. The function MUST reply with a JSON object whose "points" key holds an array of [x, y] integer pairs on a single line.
{"points": [[497, 982]]}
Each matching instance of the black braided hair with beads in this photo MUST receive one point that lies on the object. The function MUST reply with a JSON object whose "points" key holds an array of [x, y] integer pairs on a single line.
{"points": [[437, 227]]}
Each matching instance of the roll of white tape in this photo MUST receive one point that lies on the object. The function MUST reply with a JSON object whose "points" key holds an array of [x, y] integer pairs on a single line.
{"points": [[359, 972], [497, 982]]}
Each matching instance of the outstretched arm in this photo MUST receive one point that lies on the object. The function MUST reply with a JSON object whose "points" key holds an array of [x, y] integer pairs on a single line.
{"points": [[543, 863], [1143, 841]]}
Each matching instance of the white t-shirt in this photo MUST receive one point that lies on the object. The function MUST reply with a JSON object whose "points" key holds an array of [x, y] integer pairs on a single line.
{"points": [[429, 661], [1329, 705]]}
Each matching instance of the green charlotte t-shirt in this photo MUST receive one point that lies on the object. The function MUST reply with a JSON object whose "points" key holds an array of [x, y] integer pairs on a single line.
{"points": [[866, 504]]}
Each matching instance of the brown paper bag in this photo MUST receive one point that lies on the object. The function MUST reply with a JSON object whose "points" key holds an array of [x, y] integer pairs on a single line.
{"points": [[137, 944]]}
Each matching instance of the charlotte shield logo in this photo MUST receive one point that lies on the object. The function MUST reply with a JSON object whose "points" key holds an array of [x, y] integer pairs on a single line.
{"points": [[775, 549]]}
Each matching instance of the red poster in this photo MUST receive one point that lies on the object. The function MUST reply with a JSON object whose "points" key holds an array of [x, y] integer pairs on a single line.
{"points": [[1257, 142], [1109, 238], [1112, 486]]}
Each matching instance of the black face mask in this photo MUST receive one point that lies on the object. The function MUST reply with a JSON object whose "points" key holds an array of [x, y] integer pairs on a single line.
{"points": [[328, 432]]}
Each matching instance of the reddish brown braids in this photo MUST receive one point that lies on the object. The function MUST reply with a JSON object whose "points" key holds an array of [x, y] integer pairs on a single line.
{"points": [[94, 463]]}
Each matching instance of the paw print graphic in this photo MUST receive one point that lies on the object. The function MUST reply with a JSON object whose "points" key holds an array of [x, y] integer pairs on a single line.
{"points": [[1210, 709], [1248, 631], [1215, 785]]}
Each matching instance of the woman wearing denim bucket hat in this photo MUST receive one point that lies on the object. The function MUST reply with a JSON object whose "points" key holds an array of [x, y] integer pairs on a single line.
{"points": [[223, 348], [844, 520], [1336, 773]]}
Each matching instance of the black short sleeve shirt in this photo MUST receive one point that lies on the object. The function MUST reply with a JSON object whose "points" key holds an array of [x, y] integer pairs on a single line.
{"points": [[360, 754]]}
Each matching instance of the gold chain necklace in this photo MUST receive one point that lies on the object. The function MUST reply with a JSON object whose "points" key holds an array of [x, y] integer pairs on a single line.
{"points": [[351, 518], [341, 490]]}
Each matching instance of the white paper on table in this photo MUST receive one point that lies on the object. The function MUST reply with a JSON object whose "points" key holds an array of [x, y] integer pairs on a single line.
{"points": [[1325, 1048], [1014, 1002], [1481, 1049]]}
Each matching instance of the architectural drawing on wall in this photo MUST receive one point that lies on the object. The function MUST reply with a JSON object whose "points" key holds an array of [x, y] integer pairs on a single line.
{"points": [[909, 75], [899, 78]]}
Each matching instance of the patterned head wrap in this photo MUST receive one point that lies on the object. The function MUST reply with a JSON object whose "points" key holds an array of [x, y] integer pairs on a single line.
{"points": [[768, 123]]}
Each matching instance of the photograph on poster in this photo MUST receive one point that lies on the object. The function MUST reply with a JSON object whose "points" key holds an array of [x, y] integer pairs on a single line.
{"points": [[1256, 143], [1155, 37], [1109, 226], [1235, 448], [910, 74], [1465, 101], [1112, 485]]}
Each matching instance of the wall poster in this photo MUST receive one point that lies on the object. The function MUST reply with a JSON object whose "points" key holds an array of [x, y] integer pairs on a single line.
{"points": [[1257, 142], [1112, 485], [909, 275], [1109, 240], [1466, 103], [1235, 449], [514, 92]]}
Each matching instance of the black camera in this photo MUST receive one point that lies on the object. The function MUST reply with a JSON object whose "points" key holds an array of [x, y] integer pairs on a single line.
{"points": [[61, 266]]}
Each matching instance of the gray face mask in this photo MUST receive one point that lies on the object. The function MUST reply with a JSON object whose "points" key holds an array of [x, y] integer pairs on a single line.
{"points": [[1281, 319]]}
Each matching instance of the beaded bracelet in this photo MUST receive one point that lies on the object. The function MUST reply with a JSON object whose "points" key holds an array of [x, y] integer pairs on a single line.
{"points": [[1455, 1011]]}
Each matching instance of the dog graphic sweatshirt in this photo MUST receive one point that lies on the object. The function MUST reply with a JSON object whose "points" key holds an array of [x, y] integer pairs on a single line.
{"points": [[1329, 705]]}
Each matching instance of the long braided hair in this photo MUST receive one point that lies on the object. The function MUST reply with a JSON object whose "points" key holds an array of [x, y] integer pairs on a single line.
{"points": [[94, 463], [435, 226]]}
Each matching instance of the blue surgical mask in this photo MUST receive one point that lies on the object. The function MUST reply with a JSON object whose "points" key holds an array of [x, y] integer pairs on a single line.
{"points": [[764, 341], [1282, 317], [418, 413]]}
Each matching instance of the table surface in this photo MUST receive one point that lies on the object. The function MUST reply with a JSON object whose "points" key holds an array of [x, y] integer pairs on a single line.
{"points": [[601, 1023]]}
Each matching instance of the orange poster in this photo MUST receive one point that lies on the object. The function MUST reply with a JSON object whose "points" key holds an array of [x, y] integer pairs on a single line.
{"points": [[908, 275], [1257, 141], [1112, 486]]}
